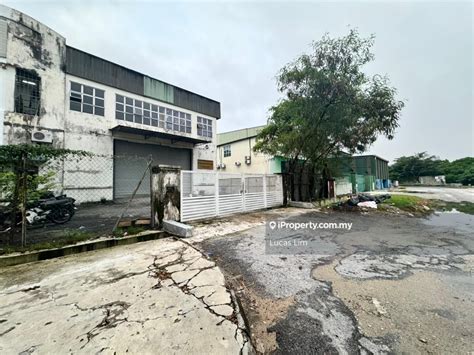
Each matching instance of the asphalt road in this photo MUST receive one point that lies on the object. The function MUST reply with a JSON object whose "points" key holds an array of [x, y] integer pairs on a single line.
{"points": [[439, 193], [390, 284]]}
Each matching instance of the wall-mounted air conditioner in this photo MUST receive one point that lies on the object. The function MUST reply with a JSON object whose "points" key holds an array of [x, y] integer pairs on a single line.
{"points": [[42, 137]]}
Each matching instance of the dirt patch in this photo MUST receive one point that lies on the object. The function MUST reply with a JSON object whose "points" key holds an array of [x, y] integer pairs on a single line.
{"points": [[422, 309], [261, 313]]}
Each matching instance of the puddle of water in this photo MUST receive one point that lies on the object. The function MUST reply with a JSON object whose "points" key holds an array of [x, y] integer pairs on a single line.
{"points": [[459, 221]]}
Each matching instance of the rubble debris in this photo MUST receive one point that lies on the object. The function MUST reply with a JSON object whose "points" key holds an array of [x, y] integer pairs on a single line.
{"points": [[362, 201]]}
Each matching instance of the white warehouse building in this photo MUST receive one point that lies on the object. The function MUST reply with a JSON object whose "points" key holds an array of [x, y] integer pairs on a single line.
{"points": [[54, 94]]}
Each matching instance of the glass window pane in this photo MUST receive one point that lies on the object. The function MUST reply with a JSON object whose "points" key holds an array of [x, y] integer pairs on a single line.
{"points": [[169, 111], [119, 98], [99, 111], [119, 107], [146, 121], [175, 113], [162, 109], [154, 123], [138, 118], [87, 108], [75, 86], [129, 117], [146, 113], [146, 105], [129, 109], [75, 106], [154, 108], [87, 99], [188, 129], [154, 115], [182, 115], [88, 90], [129, 101], [161, 124], [119, 115], [188, 116], [176, 127], [99, 93], [138, 103], [99, 102]]}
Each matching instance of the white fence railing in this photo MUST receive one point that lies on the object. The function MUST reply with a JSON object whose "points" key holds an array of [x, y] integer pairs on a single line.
{"points": [[207, 194]]}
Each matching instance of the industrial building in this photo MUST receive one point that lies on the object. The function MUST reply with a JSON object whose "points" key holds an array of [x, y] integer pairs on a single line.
{"points": [[235, 153], [352, 174], [56, 94]]}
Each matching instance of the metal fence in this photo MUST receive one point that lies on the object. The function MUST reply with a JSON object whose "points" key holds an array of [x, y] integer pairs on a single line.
{"points": [[102, 186], [211, 194]]}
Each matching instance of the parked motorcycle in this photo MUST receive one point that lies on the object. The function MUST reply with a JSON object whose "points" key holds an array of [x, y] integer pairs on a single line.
{"points": [[49, 208]]}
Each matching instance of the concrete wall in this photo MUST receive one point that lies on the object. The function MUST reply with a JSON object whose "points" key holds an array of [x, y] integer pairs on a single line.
{"points": [[260, 163], [33, 46]]}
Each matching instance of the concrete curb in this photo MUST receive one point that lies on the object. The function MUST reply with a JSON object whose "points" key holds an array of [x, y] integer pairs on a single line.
{"points": [[29, 257]]}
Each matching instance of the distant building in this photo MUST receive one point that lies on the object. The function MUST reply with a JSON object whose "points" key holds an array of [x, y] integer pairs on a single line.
{"points": [[54, 94], [352, 173], [235, 153], [433, 180]]}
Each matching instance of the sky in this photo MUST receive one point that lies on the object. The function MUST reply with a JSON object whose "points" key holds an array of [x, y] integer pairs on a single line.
{"points": [[232, 51]]}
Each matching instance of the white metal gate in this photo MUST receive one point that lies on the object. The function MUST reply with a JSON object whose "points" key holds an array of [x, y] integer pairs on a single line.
{"points": [[206, 194]]}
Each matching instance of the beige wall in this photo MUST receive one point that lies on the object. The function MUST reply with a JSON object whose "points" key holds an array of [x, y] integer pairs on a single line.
{"points": [[259, 162]]}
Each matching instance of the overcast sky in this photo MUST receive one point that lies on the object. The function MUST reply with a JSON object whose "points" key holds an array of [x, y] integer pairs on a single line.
{"points": [[231, 52]]}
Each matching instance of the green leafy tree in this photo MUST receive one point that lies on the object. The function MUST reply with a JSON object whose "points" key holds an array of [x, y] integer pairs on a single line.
{"points": [[19, 178], [411, 168], [330, 105], [460, 171]]}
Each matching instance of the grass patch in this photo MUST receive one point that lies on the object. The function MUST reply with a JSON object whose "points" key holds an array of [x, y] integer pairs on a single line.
{"points": [[405, 202], [67, 237], [132, 230], [416, 204]]}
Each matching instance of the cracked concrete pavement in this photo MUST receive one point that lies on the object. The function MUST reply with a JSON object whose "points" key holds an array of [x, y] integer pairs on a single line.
{"points": [[390, 284], [161, 296]]}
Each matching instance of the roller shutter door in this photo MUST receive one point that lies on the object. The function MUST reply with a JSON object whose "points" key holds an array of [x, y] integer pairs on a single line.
{"points": [[131, 160]]}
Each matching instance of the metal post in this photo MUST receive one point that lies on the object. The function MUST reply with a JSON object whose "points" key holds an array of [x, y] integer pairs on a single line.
{"points": [[265, 190], [216, 192]]}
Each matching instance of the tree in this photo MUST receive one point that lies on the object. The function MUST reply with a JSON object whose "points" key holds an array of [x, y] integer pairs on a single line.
{"points": [[460, 171], [19, 177], [409, 169], [329, 105]]}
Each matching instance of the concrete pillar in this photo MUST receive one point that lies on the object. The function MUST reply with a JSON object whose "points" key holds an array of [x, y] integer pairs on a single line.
{"points": [[165, 193]]}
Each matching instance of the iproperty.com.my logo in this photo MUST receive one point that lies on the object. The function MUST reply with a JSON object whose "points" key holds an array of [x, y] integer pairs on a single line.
{"points": [[309, 225]]}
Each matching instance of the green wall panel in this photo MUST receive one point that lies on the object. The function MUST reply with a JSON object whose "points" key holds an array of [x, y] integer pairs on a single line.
{"points": [[158, 90]]}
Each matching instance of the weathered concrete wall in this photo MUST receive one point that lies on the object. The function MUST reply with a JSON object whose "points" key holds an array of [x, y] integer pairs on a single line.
{"points": [[260, 163], [33, 46], [205, 151], [166, 193]]}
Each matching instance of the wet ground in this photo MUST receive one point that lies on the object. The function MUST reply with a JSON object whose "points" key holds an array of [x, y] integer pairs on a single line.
{"points": [[93, 218], [389, 284], [449, 194]]}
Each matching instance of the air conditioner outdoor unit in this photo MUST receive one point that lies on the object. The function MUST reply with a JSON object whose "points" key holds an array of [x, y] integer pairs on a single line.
{"points": [[42, 136]]}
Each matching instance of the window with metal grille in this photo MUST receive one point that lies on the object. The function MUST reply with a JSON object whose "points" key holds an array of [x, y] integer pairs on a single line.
{"points": [[141, 112], [204, 127], [227, 151], [87, 99], [27, 92]]}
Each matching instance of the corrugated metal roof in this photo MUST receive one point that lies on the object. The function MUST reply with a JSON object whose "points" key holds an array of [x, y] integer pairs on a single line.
{"points": [[88, 66], [240, 134], [91, 67]]}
